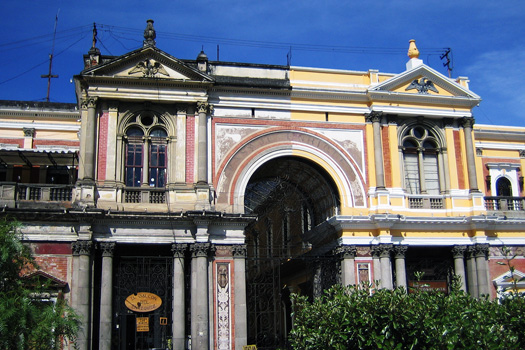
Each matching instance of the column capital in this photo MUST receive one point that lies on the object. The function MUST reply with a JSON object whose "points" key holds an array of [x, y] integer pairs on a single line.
{"points": [[458, 251], [467, 122], [346, 251], [179, 249], [386, 249], [107, 248], [201, 249], [239, 251], [82, 247], [375, 251], [400, 251], [374, 117], [29, 132], [481, 250], [204, 107]]}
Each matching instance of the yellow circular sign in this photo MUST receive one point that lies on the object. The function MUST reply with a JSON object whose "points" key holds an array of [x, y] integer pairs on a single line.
{"points": [[143, 302]]}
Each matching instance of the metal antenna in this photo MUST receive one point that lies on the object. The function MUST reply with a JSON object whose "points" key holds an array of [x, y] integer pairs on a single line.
{"points": [[49, 75]]}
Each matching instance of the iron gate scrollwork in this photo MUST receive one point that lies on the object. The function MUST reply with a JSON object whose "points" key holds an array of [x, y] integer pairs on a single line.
{"points": [[136, 275]]}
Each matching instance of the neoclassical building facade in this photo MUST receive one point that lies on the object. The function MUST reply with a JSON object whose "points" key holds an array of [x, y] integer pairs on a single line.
{"points": [[180, 202]]}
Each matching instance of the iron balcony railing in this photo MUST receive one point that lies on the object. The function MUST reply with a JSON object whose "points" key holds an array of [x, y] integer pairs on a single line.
{"points": [[505, 203]]}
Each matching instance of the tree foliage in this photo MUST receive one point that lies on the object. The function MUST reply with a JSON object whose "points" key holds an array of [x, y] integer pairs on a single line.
{"points": [[27, 322], [355, 318]]}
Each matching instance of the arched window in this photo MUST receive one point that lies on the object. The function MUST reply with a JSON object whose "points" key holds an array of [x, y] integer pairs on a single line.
{"points": [[421, 151], [146, 152], [503, 187]]}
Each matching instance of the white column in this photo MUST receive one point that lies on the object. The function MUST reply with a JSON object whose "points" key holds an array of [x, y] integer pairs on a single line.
{"points": [[347, 254], [458, 252], [82, 291], [179, 309], [106, 295], [401, 274], [200, 332], [240, 317]]}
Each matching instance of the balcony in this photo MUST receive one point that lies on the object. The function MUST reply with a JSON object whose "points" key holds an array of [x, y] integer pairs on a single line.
{"points": [[144, 195], [425, 202], [35, 195], [511, 204]]}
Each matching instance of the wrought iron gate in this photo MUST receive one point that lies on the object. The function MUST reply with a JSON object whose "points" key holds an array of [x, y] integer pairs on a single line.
{"points": [[138, 275]]}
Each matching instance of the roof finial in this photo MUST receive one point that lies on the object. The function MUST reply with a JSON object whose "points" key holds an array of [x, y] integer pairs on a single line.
{"points": [[413, 52], [149, 34]]}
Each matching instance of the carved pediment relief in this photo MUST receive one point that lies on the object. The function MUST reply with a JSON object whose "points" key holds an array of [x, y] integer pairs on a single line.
{"points": [[149, 62], [148, 68]]}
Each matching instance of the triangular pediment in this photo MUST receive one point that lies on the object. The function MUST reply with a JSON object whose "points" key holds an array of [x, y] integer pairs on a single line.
{"points": [[424, 81], [148, 63]]}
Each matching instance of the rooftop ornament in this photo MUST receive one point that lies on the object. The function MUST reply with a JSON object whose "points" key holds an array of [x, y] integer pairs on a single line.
{"points": [[149, 34]]}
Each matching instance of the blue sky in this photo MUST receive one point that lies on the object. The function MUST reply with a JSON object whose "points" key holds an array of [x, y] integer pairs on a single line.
{"points": [[486, 37]]}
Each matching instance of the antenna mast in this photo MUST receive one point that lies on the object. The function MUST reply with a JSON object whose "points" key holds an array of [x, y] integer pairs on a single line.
{"points": [[49, 75]]}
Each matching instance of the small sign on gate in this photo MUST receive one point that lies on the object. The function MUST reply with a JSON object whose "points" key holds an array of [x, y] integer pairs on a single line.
{"points": [[142, 324], [249, 347]]}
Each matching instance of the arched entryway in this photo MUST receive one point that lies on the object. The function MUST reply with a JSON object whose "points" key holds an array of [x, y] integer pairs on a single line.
{"points": [[291, 196]]}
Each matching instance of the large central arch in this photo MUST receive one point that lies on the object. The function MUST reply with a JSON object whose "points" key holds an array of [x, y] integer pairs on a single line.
{"points": [[248, 156], [293, 181]]}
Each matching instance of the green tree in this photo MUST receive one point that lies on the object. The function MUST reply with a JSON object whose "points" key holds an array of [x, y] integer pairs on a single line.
{"points": [[360, 318], [26, 322]]}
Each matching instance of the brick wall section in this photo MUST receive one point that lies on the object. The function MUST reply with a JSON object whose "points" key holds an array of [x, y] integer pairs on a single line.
{"points": [[459, 163], [19, 142], [37, 142], [102, 146], [190, 149], [387, 161], [53, 258]]}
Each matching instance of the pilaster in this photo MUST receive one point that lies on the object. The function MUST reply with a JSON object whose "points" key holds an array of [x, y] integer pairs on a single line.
{"points": [[106, 293]]}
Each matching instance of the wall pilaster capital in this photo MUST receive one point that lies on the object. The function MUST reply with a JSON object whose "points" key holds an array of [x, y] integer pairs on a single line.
{"points": [[374, 117], [29, 132], [239, 251], [204, 107], [82, 247], [467, 122]]}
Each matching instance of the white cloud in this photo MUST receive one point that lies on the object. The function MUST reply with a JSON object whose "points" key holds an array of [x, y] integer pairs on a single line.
{"points": [[498, 76]]}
